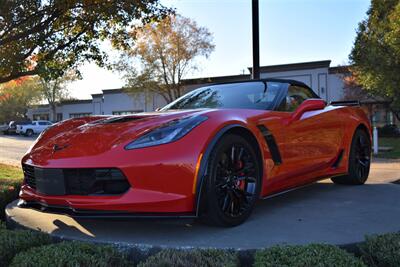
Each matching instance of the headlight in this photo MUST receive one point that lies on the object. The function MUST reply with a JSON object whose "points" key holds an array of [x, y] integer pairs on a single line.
{"points": [[167, 133]]}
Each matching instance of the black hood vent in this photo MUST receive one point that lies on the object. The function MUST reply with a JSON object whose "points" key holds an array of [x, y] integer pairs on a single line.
{"points": [[118, 120]]}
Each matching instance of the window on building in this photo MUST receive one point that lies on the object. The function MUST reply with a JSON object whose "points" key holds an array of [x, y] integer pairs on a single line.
{"points": [[295, 96], [79, 115], [38, 117], [59, 116], [126, 112]]}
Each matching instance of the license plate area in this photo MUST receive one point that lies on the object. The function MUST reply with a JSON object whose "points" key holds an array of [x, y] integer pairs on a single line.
{"points": [[50, 181]]}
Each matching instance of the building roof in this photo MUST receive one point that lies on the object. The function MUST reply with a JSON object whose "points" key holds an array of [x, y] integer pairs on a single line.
{"points": [[76, 101], [97, 95], [271, 68], [295, 66], [113, 91], [216, 79]]}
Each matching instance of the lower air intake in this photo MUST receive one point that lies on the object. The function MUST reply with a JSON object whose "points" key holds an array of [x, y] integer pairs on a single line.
{"points": [[107, 181]]}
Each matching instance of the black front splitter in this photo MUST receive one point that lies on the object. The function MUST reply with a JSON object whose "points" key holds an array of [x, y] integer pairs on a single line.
{"points": [[79, 213]]}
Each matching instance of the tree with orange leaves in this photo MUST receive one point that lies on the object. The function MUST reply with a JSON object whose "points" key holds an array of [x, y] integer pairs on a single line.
{"points": [[16, 96]]}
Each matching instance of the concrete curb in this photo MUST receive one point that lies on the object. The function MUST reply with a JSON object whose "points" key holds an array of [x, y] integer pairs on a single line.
{"points": [[138, 252]]}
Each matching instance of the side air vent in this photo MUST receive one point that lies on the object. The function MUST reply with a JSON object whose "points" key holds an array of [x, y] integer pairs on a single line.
{"points": [[271, 143]]}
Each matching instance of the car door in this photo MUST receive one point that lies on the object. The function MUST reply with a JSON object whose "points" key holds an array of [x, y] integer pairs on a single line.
{"points": [[312, 140], [41, 126], [305, 144], [34, 126]]}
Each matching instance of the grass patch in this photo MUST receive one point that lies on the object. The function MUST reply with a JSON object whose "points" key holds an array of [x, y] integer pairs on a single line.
{"points": [[10, 182], [392, 142], [10, 173]]}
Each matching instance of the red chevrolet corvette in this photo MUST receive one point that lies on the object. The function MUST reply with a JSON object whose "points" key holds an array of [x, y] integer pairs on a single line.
{"points": [[210, 154]]}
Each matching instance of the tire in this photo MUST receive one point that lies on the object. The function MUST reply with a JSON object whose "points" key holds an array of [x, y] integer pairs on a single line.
{"points": [[359, 160], [233, 184], [29, 132]]}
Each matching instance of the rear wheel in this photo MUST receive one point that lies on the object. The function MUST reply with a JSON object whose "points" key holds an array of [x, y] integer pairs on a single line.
{"points": [[233, 184], [359, 160]]}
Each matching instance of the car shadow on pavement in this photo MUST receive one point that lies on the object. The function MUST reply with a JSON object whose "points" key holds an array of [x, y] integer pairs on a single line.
{"points": [[322, 212]]}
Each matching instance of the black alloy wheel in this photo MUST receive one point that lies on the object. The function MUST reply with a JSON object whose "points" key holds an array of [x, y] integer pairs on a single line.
{"points": [[359, 160], [234, 182]]}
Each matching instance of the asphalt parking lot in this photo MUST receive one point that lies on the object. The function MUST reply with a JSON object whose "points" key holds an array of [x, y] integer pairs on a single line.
{"points": [[322, 212], [13, 147]]}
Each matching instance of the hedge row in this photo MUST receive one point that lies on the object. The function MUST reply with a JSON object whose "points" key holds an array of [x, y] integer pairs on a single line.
{"points": [[70, 254], [26, 248], [13, 242], [310, 255], [381, 250]]}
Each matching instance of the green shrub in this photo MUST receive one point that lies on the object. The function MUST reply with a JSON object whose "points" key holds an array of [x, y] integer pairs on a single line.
{"points": [[381, 250], [8, 193], [310, 255], [13, 242], [70, 254], [195, 258], [2, 226]]}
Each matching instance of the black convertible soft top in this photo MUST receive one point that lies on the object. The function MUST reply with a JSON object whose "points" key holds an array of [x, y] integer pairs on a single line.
{"points": [[289, 81]]}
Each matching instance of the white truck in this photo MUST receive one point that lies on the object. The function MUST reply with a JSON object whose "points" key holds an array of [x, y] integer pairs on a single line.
{"points": [[36, 127]]}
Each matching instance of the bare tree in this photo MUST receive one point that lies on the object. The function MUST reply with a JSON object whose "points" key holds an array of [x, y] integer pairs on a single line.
{"points": [[167, 51], [55, 90]]}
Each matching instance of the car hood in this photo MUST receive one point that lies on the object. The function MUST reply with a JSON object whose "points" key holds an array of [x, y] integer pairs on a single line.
{"points": [[102, 135]]}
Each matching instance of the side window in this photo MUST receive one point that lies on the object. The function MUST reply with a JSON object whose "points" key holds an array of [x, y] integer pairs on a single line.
{"points": [[295, 96], [42, 123]]}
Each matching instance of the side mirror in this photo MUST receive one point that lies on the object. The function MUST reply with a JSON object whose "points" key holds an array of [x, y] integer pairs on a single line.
{"points": [[308, 105], [158, 109]]}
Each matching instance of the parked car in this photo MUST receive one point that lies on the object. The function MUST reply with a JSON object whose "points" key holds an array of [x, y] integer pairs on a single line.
{"points": [[12, 126], [35, 127], [211, 154]]}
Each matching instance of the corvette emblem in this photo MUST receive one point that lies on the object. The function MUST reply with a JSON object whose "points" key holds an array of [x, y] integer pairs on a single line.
{"points": [[58, 148]]}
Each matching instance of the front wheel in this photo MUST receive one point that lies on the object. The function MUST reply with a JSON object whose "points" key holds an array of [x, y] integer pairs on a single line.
{"points": [[233, 183], [359, 160], [29, 132]]}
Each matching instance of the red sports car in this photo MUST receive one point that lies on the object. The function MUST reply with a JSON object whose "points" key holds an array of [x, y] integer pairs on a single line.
{"points": [[210, 154]]}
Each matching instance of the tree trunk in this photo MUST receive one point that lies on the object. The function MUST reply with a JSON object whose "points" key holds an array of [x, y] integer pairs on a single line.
{"points": [[396, 113], [53, 110]]}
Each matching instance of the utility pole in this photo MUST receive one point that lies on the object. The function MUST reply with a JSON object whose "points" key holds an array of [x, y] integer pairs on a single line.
{"points": [[256, 40]]}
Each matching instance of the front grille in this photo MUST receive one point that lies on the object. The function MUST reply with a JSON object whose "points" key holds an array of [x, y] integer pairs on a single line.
{"points": [[107, 181], [29, 175]]}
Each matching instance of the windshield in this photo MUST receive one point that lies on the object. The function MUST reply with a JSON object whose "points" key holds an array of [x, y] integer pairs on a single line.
{"points": [[247, 95]]}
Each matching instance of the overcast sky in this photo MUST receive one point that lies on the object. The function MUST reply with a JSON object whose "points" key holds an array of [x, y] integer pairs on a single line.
{"points": [[290, 31]]}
